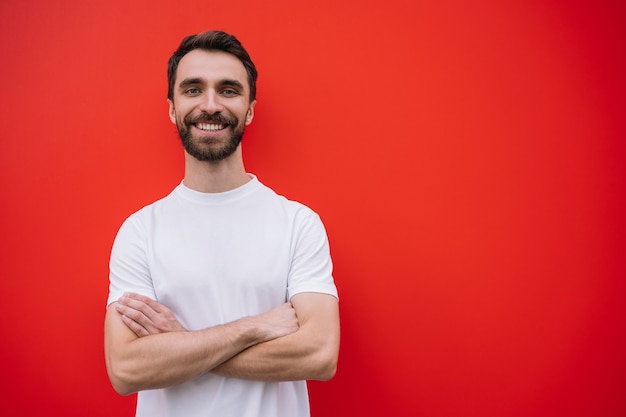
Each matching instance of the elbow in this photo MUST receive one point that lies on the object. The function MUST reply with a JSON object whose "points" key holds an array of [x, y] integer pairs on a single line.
{"points": [[327, 373], [121, 387], [326, 359], [120, 380], [326, 366], [122, 390]]}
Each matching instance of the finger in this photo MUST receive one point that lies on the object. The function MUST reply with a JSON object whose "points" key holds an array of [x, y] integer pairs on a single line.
{"points": [[154, 305], [134, 311], [153, 316], [139, 305], [139, 330]]}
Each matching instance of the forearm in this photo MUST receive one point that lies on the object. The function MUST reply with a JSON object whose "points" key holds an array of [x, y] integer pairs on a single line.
{"points": [[289, 358], [167, 359], [309, 353]]}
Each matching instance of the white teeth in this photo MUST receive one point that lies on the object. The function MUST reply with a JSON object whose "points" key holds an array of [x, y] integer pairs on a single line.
{"points": [[209, 127]]}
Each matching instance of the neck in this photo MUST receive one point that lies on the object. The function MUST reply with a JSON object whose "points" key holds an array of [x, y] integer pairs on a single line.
{"points": [[215, 177]]}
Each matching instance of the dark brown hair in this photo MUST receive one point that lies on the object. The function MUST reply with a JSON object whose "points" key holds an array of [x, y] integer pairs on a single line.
{"points": [[213, 40]]}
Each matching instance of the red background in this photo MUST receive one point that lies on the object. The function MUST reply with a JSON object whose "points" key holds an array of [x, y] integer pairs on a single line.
{"points": [[466, 158]]}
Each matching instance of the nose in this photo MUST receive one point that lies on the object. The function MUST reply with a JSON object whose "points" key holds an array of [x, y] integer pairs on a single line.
{"points": [[211, 103]]}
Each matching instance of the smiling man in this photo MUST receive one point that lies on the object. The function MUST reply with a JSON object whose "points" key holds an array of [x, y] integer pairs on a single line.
{"points": [[201, 108], [221, 301]]}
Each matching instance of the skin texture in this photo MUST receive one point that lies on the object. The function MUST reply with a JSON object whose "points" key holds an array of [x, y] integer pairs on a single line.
{"points": [[145, 346], [166, 359], [308, 353]]}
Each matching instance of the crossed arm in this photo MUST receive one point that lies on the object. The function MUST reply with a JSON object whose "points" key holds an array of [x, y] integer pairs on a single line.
{"points": [[146, 347]]}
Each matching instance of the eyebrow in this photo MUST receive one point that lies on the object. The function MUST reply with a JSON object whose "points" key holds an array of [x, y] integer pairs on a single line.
{"points": [[223, 83], [190, 81], [231, 83]]}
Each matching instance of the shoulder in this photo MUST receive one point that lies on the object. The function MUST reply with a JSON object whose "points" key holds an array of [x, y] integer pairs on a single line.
{"points": [[145, 215], [294, 209]]}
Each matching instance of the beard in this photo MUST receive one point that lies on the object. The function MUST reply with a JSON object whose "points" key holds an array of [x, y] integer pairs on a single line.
{"points": [[209, 149]]}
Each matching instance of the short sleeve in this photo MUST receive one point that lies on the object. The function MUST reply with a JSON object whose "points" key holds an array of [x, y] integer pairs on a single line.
{"points": [[311, 267], [128, 267]]}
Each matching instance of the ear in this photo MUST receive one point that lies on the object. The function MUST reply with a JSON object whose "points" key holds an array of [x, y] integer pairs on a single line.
{"points": [[250, 113], [172, 111]]}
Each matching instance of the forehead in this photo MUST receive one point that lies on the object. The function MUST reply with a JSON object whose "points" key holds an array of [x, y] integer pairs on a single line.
{"points": [[211, 66]]}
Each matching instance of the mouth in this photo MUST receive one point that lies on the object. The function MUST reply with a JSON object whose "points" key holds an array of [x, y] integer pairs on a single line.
{"points": [[210, 127]]}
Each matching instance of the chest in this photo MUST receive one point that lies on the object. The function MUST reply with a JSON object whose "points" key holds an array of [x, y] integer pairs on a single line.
{"points": [[211, 269]]}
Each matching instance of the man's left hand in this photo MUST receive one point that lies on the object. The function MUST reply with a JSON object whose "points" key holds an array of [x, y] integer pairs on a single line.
{"points": [[145, 317]]}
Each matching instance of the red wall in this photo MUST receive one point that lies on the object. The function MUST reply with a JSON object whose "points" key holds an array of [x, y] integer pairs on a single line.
{"points": [[466, 157]]}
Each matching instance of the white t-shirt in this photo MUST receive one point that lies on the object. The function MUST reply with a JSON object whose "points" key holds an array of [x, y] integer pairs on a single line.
{"points": [[215, 258]]}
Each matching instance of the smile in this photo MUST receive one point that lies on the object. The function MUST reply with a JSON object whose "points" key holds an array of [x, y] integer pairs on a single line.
{"points": [[210, 127]]}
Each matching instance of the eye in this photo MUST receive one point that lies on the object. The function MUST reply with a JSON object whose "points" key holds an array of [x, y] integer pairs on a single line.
{"points": [[229, 92], [192, 91]]}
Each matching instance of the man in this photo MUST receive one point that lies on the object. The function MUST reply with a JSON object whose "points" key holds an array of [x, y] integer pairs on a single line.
{"points": [[222, 301]]}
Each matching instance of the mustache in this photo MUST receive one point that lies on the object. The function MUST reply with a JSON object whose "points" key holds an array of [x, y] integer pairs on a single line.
{"points": [[214, 118]]}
